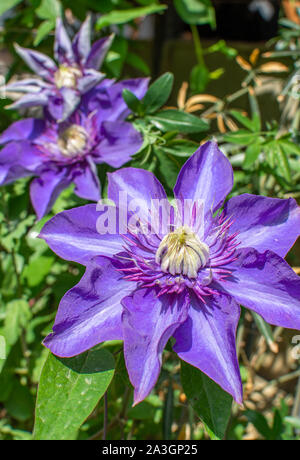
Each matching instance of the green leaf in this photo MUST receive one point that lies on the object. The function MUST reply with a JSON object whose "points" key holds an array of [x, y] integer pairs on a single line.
{"points": [[293, 421], [289, 147], [43, 31], [283, 163], [8, 4], [241, 137], [158, 93], [116, 56], [143, 411], [260, 423], [212, 404], [180, 148], [245, 121], [265, 329], [255, 110], [175, 120], [49, 9], [132, 102], [20, 403], [68, 392], [200, 77], [37, 269], [124, 16], [17, 316], [252, 153], [277, 153], [196, 11], [168, 167], [221, 47]]}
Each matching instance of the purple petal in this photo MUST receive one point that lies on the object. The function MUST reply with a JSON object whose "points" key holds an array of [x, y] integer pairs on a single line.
{"points": [[120, 142], [266, 284], [38, 62], [98, 52], [73, 235], [141, 188], [138, 86], [148, 323], [264, 223], [28, 85], [17, 160], [45, 189], [63, 50], [4, 168], [55, 106], [206, 176], [90, 79], [71, 100], [108, 99], [29, 129], [90, 313], [30, 100], [87, 182], [207, 341], [82, 41]]}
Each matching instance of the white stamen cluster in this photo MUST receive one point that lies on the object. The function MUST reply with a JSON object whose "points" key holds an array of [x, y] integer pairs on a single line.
{"points": [[66, 77], [72, 141], [182, 253]]}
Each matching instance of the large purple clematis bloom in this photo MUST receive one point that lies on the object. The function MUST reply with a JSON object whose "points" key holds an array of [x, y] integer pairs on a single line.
{"points": [[61, 86], [65, 153], [187, 282]]}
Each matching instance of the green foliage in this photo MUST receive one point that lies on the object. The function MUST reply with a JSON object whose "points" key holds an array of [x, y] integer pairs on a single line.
{"points": [[127, 15], [158, 93], [211, 403], [78, 385], [196, 11], [175, 120], [63, 398], [7, 4], [49, 10]]}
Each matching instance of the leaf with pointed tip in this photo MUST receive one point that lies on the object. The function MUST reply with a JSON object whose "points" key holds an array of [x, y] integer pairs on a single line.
{"points": [[69, 390], [132, 102], [158, 93], [211, 403], [7, 5], [176, 120], [124, 16]]}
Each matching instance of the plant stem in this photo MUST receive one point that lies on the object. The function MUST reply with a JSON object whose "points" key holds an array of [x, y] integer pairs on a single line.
{"points": [[105, 417], [198, 46]]}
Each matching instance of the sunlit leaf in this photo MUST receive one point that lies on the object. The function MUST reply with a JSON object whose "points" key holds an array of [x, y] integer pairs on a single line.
{"points": [[69, 390]]}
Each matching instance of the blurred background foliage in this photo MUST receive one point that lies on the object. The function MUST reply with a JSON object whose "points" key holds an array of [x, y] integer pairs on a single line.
{"points": [[236, 82]]}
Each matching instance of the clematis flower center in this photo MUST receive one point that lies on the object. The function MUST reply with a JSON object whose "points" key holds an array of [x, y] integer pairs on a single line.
{"points": [[182, 253], [66, 77], [73, 141]]}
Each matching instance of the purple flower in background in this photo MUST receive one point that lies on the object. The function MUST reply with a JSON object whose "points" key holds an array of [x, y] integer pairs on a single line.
{"points": [[187, 282], [61, 86], [59, 154]]}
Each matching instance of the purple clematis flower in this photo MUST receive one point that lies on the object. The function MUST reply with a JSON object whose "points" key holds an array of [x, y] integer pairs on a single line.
{"points": [[61, 86], [186, 282], [65, 153]]}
